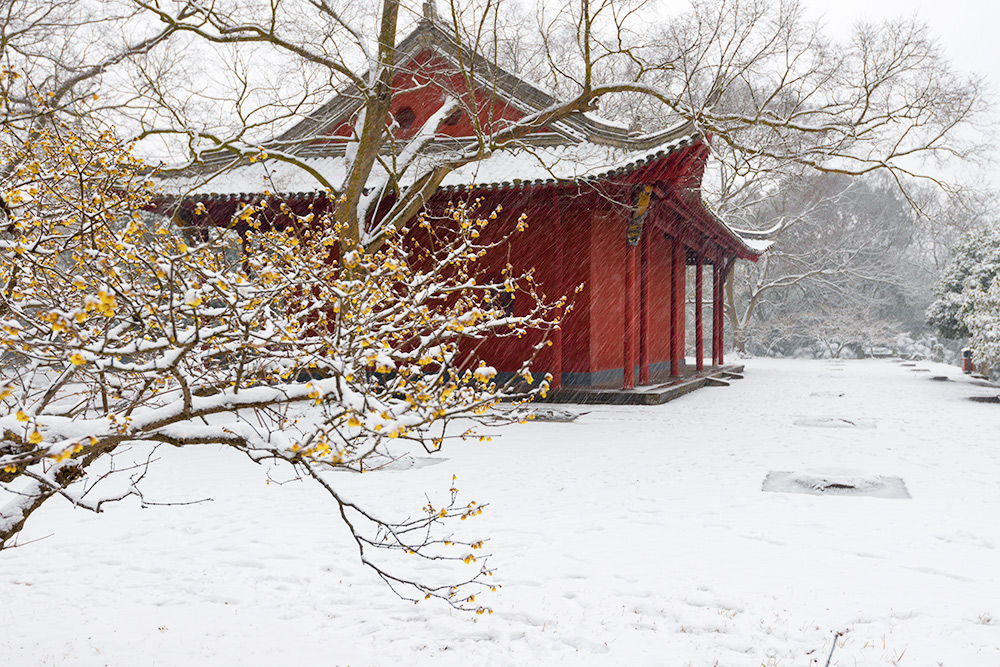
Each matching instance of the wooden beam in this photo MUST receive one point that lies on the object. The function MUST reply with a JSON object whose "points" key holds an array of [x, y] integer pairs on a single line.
{"points": [[644, 308], [699, 336], [675, 367], [628, 358], [716, 314], [690, 220]]}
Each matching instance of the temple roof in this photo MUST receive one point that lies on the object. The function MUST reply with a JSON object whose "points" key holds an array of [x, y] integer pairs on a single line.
{"points": [[430, 35], [512, 167], [576, 149], [579, 146]]}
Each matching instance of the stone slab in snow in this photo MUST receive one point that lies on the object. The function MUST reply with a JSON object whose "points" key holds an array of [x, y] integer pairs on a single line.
{"points": [[835, 483]]}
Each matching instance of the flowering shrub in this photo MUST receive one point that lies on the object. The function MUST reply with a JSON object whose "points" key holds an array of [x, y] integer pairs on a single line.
{"points": [[116, 329]]}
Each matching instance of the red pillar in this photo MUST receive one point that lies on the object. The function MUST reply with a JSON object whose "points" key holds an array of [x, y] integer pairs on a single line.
{"points": [[715, 312], [644, 309], [699, 334], [722, 309], [629, 342], [675, 368], [560, 283], [677, 281]]}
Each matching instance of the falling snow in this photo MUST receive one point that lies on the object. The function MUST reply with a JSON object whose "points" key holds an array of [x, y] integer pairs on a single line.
{"points": [[628, 536]]}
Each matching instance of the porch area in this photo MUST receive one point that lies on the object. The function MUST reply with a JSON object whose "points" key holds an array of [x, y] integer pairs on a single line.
{"points": [[657, 393]]}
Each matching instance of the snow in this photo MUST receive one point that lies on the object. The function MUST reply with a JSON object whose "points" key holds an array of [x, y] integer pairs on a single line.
{"points": [[628, 536], [503, 167], [759, 246]]}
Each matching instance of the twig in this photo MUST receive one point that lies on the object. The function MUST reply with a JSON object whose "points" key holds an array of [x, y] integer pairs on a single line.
{"points": [[836, 636]]}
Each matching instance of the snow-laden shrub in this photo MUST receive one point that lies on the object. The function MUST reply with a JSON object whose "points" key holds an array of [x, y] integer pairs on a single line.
{"points": [[926, 346], [968, 295], [983, 322], [974, 265]]}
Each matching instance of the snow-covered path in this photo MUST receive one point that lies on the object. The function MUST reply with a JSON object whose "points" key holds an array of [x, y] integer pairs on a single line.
{"points": [[632, 536]]}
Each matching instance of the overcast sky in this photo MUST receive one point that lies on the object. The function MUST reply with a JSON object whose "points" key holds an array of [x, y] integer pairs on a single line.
{"points": [[965, 29]]}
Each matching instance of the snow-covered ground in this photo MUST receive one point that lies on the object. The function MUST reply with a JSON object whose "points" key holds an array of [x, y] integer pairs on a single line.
{"points": [[632, 536]]}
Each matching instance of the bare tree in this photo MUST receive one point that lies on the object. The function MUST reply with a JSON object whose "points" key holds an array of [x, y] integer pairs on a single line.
{"points": [[56, 54], [846, 245], [785, 103], [778, 95], [388, 178]]}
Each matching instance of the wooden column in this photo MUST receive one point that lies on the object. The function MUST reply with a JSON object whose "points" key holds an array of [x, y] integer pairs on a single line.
{"points": [[644, 309], [716, 313], [678, 283], [723, 273], [699, 334], [675, 368], [560, 290], [628, 361]]}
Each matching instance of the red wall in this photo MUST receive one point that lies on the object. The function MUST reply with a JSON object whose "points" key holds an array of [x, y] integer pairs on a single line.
{"points": [[659, 249], [422, 86], [594, 252], [607, 290], [529, 250], [577, 262]]}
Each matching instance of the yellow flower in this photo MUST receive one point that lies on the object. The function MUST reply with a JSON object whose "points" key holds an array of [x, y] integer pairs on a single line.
{"points": [[353, 422], [35, 438], [77, 359], [21, 417]]}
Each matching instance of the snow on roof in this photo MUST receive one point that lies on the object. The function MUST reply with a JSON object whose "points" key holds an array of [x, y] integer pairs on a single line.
{"points": [[576, 162], [759, 241], [507, 168], [759, 246]]}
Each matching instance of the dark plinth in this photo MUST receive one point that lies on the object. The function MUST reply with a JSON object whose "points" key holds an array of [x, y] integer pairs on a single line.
{"points": [[653, 394]]}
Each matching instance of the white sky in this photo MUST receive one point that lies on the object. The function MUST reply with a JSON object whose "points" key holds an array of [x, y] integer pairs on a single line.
{"points": [[966, 30]]}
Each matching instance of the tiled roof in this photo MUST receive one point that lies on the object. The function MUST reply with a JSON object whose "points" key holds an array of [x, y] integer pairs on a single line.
{"points": [[515, 167], [579, 148]]}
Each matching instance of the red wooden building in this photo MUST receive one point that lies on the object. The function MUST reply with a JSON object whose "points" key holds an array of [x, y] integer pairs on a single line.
{"points": [[618, 212]]}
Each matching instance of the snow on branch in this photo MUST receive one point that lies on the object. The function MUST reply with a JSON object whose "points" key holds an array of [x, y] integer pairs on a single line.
{"points": [[118, 331]]}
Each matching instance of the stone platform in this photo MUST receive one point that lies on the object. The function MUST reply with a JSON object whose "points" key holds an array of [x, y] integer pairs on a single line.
{"points": [[652, 394]]}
